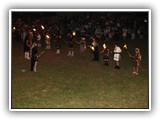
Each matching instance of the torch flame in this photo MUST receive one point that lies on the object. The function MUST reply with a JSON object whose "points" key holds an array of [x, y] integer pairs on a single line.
{"points": [[42, 27], [125, 46], [47, 36], [34, 29], [14, 28], [104, 46], [74, 33], [92, 48]]}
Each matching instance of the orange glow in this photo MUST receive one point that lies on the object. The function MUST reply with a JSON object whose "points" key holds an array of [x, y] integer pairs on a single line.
{"points": [[47, 36], [74, 33], [42, 27], [125, 46], [92, 48], [104, 46], [34, 29]]}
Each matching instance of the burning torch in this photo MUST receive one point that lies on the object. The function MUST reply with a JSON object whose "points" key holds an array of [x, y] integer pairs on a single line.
{"points": [[92, 48], [47, 36], [34, 29], [125, 47], [104, 47], [42, 27], [74, 33]]}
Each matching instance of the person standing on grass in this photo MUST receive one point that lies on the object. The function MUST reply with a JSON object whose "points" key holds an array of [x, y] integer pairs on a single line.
{"points": [[117, 56], [34, 57], [48, 41], [106, 53], [70, 45], [95, 51], [58, 44], [39, 39], [82, 44], [27, 45], [137, 59]]}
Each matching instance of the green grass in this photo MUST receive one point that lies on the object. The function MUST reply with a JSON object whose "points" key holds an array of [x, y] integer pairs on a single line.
{"points": [[72, 82]]}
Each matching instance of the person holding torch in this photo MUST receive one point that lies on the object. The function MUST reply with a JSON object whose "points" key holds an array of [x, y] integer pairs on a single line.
{"points": [[71, 43], [95, 51], [48, 41], [137, 59], [106, 54]]}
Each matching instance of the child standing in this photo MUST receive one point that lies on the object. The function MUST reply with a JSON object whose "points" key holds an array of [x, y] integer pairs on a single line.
{"points": [[117, 56], [70, 45], [34, 57], [27, 47], [58, 44], [82, 47], [106, 54], [137, 59], [48, 41], [95, 51]]}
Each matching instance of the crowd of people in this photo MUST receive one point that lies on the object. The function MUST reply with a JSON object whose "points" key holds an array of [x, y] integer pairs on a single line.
{"points": [[105, 27]]}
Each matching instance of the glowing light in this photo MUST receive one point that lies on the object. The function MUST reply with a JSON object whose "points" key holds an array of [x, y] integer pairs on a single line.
{"points": [[83, 39], [47, 36], [92, 48], [125, 46], [42, 27], [145, 20], [104, 46], [34, 29], [74, 33], [14, 28]]}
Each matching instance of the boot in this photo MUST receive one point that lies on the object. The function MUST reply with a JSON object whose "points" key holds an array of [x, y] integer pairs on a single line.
{"points": [[27, 54], [58, 51], [72, 53], [69, 53]]}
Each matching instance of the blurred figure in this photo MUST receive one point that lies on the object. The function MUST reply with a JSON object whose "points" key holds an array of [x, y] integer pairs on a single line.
{"points": [[27, 45], [95, 51], [34, 57], [105, 52], [137, 59], [117, 56], [58, 44], [82, 44], [48, 41], [70, 45], [39, 39]]}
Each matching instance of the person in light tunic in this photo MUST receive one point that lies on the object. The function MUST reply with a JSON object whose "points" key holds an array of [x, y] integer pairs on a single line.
{"points": [[117, 56]]}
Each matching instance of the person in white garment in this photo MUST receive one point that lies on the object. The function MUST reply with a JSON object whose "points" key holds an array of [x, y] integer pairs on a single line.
{"points": [[117, 56]]}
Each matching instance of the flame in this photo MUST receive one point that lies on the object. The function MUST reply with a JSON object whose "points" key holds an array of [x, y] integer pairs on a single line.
{"points": [[42, 27], [74, 33], [14, 28], [125, 46], [34, 29], [104, 46], [83, 38], [47, 36], [92, 48]]}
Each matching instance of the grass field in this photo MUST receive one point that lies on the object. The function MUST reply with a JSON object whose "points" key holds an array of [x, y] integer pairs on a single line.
{"points": [[73, 82]]}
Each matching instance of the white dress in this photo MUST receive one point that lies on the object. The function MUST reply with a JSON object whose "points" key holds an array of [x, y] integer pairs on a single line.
{"points": [[117, 51]]}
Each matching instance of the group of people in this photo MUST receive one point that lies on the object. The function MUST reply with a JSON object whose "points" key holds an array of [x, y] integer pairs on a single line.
{"points": [[31, 51]]}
